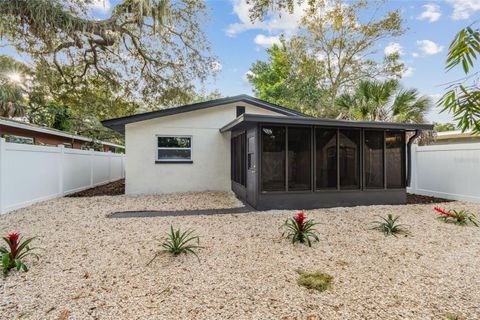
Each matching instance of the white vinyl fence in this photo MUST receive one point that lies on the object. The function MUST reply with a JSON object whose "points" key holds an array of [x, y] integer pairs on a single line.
{"points": [[32, 173], [447, 171]]}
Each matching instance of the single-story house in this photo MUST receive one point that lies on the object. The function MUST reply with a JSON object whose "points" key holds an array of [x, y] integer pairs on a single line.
{"points": [[22, 132], [456, 136], [270, 156]]}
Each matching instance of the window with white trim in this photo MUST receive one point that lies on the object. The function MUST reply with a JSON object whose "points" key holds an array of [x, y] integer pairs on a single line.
{"points": [[174, 149]]}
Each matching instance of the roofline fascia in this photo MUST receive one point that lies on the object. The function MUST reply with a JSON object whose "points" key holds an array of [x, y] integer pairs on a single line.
{"points": [[325, 122], [198, 106], [26, 126]]}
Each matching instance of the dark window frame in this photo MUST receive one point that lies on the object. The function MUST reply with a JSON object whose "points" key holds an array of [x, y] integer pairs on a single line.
{"points": [[172, 160]]}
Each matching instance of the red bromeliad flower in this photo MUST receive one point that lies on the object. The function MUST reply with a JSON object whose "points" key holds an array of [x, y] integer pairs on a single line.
{"points": [[300, 218], [13, 238], [441, 211]]}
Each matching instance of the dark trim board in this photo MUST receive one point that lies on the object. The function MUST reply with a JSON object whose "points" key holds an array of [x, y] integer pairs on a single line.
{"points": [[248, 120], [327, 199], [118, 124]]}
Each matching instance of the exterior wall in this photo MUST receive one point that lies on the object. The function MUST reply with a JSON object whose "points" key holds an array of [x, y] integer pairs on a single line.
{"points": [[447, 171], [40, 138], [210, 170]]}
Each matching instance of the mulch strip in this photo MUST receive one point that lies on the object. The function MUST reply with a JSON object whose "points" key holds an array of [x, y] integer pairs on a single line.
{"points": [[115, 188], [418, 199]]}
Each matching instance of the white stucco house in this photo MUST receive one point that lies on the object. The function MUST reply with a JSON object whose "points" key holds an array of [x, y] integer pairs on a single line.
{"points": [[269, 155]]}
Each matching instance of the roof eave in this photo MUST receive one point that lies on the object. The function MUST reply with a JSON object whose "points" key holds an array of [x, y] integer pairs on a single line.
{"points": [[118, 124], [243, 119]]}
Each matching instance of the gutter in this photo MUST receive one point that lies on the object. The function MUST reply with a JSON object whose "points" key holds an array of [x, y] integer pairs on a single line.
{"points": [[409, 156]]}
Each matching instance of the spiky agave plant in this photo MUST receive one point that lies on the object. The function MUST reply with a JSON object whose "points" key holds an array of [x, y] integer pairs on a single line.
{"points": [[179, 242], [390, 225], [300, 229]]}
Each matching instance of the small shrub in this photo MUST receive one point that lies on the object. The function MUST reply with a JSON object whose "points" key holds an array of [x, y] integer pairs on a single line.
{"points": [[462, 217], [15, 252], [300, 229], [389, 225], [317, 280], [453, 316], [180, 242]]}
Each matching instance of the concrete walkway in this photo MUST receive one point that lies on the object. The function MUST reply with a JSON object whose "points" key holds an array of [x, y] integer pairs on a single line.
{"points": [[146, 214]]}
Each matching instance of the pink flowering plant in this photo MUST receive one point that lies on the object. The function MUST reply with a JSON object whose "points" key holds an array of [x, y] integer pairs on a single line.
{"points": [[462, 217], [15, 252], [300, 229]]}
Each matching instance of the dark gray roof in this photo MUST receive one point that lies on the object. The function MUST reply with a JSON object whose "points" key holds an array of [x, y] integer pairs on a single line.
{"points": [[246, 120], [118, 124]]}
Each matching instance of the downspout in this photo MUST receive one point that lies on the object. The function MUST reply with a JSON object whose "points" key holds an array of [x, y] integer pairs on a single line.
{"points": [[409, 156]]}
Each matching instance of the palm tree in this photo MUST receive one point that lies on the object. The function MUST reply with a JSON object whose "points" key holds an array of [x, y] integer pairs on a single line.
{"points": [[12, 91], [11, 100], [384, 101]]}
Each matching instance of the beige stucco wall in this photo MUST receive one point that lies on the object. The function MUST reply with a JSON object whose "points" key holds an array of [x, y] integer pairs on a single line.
{"points": [[210, 170]]}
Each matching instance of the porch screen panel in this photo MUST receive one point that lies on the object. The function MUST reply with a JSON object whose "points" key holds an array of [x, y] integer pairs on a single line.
{"points": [[395, 159], [273, 158], [374, 168], [299, 159], [349, 159], [239, 159], [326, 158]]}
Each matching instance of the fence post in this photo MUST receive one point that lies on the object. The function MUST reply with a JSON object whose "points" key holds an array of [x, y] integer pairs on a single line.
{"points": [[92, 155], [61, 148], [110, 159], [2, 171]]}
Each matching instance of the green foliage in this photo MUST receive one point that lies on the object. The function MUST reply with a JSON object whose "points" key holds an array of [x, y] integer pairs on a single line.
{"points": [[462, 97], [149, 46], [309, 71], [299, 229], [384, 101], [12, 101], [453, 316], [180, 242], [461, 217], [286, 82], [15, 252], [52, 115], [390, 226], [442, 127], [317, 280]]}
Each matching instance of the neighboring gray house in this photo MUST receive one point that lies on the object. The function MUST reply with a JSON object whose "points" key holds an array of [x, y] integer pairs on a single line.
{"points": [[270, 156]]}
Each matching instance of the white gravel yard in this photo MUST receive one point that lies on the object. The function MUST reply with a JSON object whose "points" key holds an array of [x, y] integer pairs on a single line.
{"points": [[94, 267]]}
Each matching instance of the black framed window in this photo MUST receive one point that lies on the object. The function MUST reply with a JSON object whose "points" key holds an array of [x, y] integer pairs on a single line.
{"points": [[395, 159], [273, 158], [238, 159], [299, 158], [349, 159], [174, 148], [326, 158], [373, 156]]}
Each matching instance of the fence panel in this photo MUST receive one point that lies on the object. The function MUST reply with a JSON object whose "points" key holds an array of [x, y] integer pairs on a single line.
{"points": [[32, 173], [447, 171]]}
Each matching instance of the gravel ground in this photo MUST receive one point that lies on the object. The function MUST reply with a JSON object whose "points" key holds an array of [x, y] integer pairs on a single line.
{"points": [[93, 267]]}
